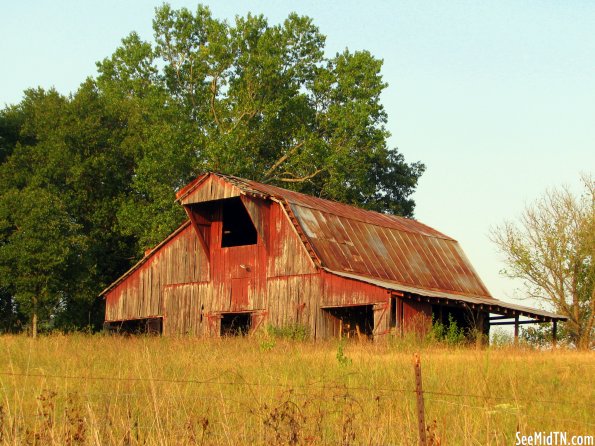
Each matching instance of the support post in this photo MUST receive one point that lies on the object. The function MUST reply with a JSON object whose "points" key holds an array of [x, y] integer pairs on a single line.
{"points": [[554, 333], [400, 317], [421, 421], [516, 330], [480, 330]]}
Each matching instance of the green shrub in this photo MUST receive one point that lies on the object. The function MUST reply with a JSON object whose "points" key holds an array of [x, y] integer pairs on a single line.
{"points": [[294, 332], [501, 338], [341, 357], [451, 334]]}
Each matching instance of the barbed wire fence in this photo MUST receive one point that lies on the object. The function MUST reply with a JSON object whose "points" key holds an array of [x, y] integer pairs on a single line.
{"points": [[305, 389]]}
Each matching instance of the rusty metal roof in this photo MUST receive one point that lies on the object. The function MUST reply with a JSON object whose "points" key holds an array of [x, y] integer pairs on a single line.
{"points": [[334, 207], [353, 240]]}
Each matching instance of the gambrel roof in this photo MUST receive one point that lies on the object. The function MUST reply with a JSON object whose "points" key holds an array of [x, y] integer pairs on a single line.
{"points": [[392, 252]]}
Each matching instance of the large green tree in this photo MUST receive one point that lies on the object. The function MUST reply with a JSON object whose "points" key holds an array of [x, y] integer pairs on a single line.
{"points": [[263, 102], [40, 245], [245, 98], [70, 148]]}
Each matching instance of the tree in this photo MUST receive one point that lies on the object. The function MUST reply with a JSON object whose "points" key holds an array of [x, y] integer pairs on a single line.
{"points": [[552, 248], [263, 102], [247, 98], [72, 148], [39, 246]]}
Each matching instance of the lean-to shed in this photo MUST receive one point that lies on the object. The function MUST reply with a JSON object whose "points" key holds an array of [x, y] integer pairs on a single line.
{"points": [[252, 254]]}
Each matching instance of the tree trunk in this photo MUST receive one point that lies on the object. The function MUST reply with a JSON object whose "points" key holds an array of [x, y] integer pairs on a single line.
{"points": [[584, 341], [34, 319], [34, 324]]}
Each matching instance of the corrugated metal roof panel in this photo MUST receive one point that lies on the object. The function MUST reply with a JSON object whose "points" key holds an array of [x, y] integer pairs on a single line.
{"points": [[346, 244]]}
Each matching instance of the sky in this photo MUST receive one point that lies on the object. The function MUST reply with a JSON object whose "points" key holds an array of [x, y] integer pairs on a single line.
{"points": [[497, 99]]}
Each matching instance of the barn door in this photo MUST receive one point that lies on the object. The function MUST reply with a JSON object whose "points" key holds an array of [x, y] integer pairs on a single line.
{"points": [[240, 291], [381, 319]]}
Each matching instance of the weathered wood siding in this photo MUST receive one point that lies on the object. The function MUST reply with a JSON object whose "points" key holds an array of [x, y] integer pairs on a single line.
{"points": [[287, 255], [340, 291], [417, 316], [183, 307], [343, 291], [294, 300], [140, 295], [190, 287], [212, 188]]}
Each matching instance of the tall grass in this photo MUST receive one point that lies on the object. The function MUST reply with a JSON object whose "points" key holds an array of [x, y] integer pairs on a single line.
{"points": [[102, 390]]}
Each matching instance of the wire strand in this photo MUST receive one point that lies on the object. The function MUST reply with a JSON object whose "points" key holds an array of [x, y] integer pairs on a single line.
{"points": [[285, 386]]}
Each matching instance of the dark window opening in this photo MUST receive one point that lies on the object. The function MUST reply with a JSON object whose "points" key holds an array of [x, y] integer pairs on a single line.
{"points": [[355, 321], [238, 229], [235, 324], [445, 314], [392, 321], [152, 326]]}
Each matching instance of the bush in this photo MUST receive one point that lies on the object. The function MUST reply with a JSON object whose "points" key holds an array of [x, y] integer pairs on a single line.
{"points": [[294, 332], [451, 334]]}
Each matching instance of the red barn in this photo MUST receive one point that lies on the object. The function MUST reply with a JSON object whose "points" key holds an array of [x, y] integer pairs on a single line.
{"points": [[252, 254]]}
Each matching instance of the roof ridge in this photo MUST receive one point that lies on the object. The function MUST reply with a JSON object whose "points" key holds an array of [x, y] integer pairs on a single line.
{"points": [[424, 229]]}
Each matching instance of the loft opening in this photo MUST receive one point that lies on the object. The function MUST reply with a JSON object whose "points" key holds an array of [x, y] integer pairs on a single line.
{"points": [[238, 229], [354, 321], [235, 324]]}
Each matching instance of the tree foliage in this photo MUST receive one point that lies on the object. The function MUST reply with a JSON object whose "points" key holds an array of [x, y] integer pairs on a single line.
{"points": [[552, 248], [93, 176], [40, 248], [263, 102]]}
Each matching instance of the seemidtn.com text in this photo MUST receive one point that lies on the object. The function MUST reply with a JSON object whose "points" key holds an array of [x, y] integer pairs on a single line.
{"points": [[553, 438]]}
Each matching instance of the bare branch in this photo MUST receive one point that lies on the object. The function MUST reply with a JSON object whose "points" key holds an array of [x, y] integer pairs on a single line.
{"points": [[302, 179], [552, 248], [213, 96], [284, 158]]}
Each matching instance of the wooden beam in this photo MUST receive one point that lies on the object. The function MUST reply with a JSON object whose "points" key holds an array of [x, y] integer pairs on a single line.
{"points": [[515, 322], [554, 333], [194, 218], [497, 318], [516, 330]]}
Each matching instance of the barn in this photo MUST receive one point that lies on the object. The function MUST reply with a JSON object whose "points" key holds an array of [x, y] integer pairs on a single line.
{"points": [[252, 255]]}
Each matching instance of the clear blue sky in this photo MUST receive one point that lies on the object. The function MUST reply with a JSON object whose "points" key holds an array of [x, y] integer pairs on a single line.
{"points": [[496, 98]]}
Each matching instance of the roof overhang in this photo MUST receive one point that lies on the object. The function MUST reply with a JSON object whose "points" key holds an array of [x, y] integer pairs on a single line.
{"points": [[487, 304]]}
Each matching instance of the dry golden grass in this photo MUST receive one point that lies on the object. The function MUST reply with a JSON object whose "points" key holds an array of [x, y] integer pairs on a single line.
{"points": [[101, 390]]}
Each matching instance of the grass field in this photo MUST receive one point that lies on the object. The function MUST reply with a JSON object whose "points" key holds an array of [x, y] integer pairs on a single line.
{"points": [[79, 389]]}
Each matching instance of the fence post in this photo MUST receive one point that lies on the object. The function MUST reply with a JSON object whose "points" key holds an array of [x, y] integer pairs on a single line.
{"points": [[421, 422]]}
